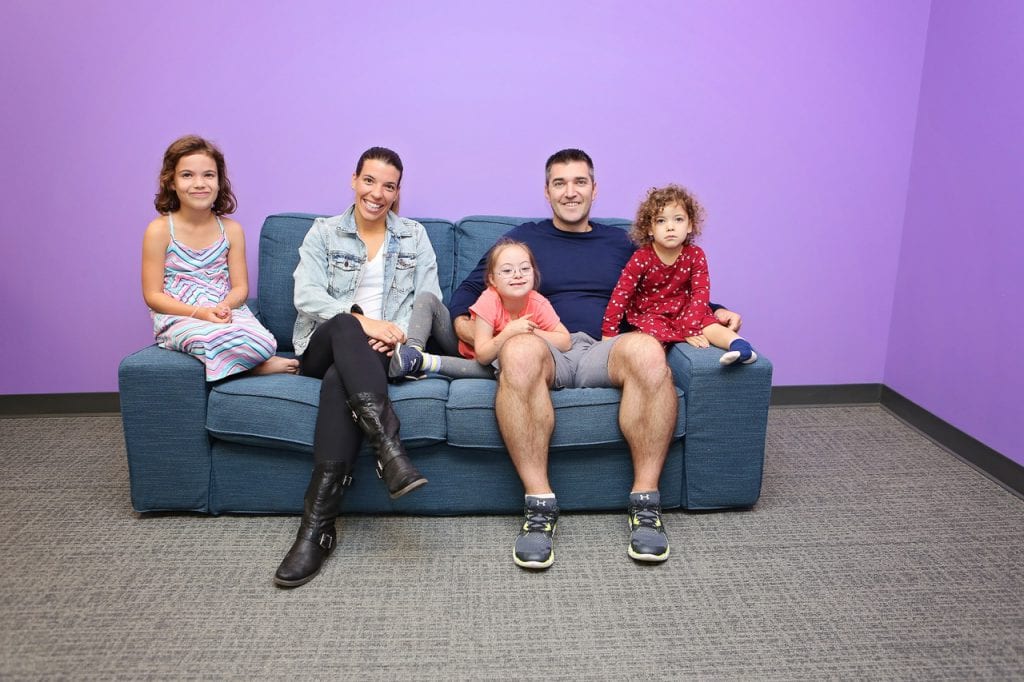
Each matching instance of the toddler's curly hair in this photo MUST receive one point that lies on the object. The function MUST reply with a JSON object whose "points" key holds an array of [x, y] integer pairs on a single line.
{"points": [[655, 202]]}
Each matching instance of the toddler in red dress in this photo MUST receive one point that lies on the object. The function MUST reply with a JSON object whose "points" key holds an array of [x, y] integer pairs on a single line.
{"points": [[665, 290]]}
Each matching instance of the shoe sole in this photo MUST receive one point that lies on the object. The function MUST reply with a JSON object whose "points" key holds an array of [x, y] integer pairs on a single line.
{"points": [[536, 565], [408, 489], [281, 582], [391, 363], [649, 558]]}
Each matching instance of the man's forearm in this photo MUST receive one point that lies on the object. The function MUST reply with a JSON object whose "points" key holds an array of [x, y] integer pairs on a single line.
{"points": [[464, 328]]}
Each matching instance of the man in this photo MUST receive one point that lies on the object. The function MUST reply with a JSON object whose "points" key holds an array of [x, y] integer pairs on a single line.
{"points": [[580, 263]]}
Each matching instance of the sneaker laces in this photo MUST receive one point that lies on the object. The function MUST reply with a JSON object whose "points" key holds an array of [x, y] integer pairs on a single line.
{"points": [[646, 517], [538, 521]]}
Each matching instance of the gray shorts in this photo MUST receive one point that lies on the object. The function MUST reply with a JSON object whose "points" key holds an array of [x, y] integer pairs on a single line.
{"points": [[585, 364]]}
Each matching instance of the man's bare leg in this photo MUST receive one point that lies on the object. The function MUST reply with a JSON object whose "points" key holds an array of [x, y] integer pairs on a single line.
{"points": [[526, 419], [647, 414], [647, 417], [523, 408]]}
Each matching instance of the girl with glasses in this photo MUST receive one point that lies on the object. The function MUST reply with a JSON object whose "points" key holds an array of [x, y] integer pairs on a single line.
{"points": [[509, 306]]}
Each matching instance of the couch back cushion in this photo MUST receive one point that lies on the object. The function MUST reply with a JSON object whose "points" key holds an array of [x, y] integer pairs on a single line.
{"points": [[280, 239]]}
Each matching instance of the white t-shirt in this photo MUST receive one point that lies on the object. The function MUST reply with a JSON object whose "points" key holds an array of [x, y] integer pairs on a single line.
{"points": [[370, 292]]}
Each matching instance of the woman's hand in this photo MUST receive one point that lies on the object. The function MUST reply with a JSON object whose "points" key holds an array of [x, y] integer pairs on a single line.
{"points": [[383, 335], [699, 341]]}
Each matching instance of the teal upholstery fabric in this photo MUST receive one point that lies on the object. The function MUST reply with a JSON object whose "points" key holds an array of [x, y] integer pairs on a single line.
{"points": [[163, 408], [279, 411], [278, 258], [727, 411], [244, 444]]}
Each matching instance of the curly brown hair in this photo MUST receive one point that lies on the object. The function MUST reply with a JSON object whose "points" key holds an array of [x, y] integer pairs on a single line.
{"points": [[655, 202], [166, 200]]}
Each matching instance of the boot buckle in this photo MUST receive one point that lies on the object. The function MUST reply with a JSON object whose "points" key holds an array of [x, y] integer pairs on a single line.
{"points": [[347, 481], [380, 470], [326, 541]]}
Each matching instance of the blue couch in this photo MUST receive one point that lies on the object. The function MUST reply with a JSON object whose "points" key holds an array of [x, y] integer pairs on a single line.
{"points": [[245, 444]]}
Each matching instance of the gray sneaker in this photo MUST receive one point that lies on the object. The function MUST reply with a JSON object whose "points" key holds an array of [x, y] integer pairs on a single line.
{"points": [[647, 538], [534, 548]]}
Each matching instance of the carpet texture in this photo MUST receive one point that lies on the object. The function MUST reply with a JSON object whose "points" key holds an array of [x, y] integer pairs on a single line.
{"points": [[873, 554]]}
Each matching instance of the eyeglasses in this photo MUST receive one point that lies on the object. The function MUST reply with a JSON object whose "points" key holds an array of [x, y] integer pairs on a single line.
{"points": [[507, 271]]}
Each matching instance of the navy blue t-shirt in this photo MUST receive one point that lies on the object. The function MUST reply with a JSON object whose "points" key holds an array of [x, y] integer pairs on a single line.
{"points": [[578, 271]]}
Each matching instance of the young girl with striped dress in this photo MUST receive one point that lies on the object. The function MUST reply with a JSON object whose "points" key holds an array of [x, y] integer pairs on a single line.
{"points": [[194, 276]]}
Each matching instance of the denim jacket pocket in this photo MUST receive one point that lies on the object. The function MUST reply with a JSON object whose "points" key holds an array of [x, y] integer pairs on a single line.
{"points": [[405, 272], [342, 271]]}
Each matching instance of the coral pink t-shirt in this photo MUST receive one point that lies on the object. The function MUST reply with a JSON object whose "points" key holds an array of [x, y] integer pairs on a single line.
{"points": [[489, 308]]}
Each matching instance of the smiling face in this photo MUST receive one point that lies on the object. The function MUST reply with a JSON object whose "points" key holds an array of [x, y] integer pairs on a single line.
{"points": [[376, 188], [570, 190], [670, 228], [196, 182], [512, 273]]}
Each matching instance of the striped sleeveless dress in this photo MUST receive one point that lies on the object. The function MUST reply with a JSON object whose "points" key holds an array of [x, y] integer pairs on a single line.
{"points": [[200, 277]]}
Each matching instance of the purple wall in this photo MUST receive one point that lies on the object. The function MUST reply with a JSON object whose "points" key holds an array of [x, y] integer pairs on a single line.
{"points": [[957, 317], [793, 121]]}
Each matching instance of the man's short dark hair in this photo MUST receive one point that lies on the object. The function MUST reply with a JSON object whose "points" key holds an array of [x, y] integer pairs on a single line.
{"points": [[568, 156]]}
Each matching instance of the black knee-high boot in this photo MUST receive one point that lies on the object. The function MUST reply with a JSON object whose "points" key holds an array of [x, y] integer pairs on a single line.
{"points": [[377, 419], [316, 536]]}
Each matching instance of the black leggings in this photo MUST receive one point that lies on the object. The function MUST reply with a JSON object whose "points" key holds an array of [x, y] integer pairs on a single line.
{"points": [[339, 354]]}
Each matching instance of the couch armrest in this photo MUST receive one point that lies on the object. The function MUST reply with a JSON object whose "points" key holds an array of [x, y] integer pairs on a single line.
{"points": [[726, 422], [163, 407]]}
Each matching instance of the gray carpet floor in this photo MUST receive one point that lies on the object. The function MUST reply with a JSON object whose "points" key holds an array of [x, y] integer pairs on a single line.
{"points": [[873, 554]]}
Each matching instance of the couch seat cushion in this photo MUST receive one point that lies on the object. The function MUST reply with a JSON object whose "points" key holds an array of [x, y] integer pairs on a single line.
{"points": [[280, 411], [584, 417]]}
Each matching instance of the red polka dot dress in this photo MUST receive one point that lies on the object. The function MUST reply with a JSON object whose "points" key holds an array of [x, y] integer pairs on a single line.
{"points": [[669, 302]]}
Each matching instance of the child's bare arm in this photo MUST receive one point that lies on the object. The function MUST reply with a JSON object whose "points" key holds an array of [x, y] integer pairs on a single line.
{"points": [[558, 337], [484, 346], [488, 345], [238, 270], [154, 253]]}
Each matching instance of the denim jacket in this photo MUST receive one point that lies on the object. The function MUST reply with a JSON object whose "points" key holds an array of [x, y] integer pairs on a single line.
{"points": [[331, 261]]}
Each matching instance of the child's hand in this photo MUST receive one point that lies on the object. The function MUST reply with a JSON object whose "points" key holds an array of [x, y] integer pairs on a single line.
{"points": [[699, 341], [222, 311], [207, 314], [521, 326]]}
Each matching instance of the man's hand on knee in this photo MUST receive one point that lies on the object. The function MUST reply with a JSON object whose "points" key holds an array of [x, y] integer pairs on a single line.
{"points": [[730, 319]]}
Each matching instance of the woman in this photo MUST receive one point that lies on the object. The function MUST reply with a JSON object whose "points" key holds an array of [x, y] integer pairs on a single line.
{"points": [[357, 277]]}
